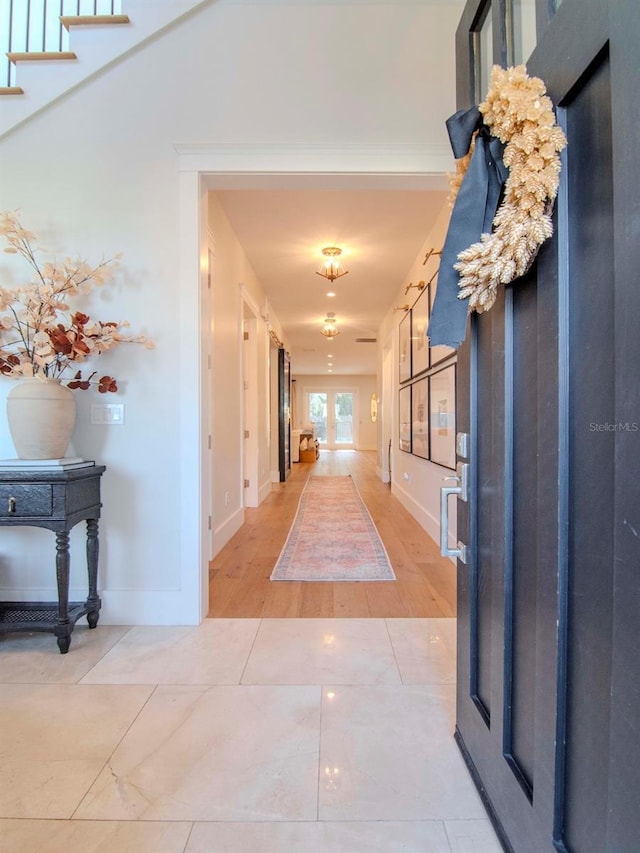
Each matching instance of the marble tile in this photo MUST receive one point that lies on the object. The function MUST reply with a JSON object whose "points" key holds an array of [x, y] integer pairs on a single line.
{"points": [[56, 739], [472, 836], [388, 754], [355, 837], [214, 652], [33, 658], [86, 836], [218, 753], [322, 651], [425, 649]]}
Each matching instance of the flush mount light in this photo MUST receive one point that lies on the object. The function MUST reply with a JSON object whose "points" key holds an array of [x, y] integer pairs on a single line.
{"points": [[331, 294], [332, 267], [329, 330]]}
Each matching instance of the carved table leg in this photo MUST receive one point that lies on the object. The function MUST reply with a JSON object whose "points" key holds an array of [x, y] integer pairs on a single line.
{"points": [[93, 550], [63, 625], [63, 644]]}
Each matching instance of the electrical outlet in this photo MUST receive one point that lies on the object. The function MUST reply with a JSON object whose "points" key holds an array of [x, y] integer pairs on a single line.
{"points": [[227, 498]]}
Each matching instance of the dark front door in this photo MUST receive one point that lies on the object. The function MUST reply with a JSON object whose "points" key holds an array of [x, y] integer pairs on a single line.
{"points": [[548, 708]]}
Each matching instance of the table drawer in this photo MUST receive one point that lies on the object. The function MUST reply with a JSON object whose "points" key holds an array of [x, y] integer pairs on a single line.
{"points": [[22, 500]]}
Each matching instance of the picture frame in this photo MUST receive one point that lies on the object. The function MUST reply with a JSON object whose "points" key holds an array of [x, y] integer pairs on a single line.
{"points": [[441, 352], [404, 348], [404, 412], [419, 324], [442, 416], [420, 418]]}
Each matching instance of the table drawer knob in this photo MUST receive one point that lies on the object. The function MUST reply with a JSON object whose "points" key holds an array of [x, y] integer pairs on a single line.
{"points": [[12, 505]]}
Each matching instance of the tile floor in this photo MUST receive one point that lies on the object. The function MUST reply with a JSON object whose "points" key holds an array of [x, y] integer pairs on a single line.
{"points": [[294, 735]]}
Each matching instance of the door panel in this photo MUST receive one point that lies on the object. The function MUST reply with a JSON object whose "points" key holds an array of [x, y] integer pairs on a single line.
{"points": [[521, 597], [548, 704], [591, 456]]}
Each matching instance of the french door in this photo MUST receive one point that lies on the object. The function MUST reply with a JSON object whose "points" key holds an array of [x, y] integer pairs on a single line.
{"points": [[332, 414], [548, 695]]}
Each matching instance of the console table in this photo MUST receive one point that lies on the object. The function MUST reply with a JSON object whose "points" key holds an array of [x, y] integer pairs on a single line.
{"points": [[56, 500]]}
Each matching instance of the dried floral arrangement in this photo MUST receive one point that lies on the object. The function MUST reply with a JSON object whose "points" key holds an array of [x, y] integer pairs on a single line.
{"points": [[40, 336], [518, 112]]}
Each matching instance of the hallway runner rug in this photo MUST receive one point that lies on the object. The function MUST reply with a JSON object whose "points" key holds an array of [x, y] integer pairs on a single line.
{"points": [[333, 537]]}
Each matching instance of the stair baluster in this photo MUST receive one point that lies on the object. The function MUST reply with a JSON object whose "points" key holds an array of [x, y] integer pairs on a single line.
{"points": [[46, 24]]}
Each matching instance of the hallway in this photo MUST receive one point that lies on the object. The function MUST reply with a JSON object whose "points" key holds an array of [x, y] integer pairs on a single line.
{"points": [[239, 574]]}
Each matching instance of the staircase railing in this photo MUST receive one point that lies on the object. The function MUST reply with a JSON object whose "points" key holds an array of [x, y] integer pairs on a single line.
{"points": [[34, 26]]}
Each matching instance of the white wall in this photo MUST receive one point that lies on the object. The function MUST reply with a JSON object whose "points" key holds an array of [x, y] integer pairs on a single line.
{"points": [[98, 173], [416, 482], [365, 431], [233, 282]]}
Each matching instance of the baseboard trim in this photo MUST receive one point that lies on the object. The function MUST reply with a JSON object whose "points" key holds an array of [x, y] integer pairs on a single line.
{"points": [[382, 475], [123, 606], [424, 518], [264, 491], [428, 522], [227, 529]]}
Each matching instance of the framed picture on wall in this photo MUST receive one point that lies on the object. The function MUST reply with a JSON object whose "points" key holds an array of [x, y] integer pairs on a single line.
{"points": [[442, 416], [404, 347], [420, 418], [419, 340], [404, 409], [439, 353]]}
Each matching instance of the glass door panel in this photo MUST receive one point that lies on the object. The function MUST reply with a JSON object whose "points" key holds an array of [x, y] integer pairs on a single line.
{"points": [[317, 414], [483, 52], [523, 22], [343, 408]]}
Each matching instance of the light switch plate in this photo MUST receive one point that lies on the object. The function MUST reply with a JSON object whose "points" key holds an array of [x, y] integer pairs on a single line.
{"points": [[107, 414]]}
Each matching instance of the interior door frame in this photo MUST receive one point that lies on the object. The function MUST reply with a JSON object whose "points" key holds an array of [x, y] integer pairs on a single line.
{"points": [[284, 414], [199, 169], [250, 474]]}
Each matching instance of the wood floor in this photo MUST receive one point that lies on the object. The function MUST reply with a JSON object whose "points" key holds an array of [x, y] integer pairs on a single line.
{"points": [[239, 575]]}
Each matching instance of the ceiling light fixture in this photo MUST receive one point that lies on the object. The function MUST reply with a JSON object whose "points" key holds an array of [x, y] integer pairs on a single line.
{"points": [[329, 330], [332, 267]]}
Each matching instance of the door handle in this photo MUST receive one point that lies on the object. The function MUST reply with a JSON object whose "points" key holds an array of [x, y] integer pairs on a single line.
{"points": [[461, 490]]}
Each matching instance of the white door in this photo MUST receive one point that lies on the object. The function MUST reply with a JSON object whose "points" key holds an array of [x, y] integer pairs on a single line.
{"points": [[334, 416]]}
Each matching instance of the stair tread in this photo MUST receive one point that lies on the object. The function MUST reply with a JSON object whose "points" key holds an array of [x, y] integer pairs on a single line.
{"points": [[92, 20], [39, 56]]}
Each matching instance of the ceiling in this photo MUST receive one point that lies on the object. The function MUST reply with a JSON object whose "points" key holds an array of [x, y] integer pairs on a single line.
{"points": [[381, 232]]}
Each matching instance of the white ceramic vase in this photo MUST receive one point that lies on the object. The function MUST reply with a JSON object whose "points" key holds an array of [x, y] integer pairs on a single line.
{"points": [[41, 416]]}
